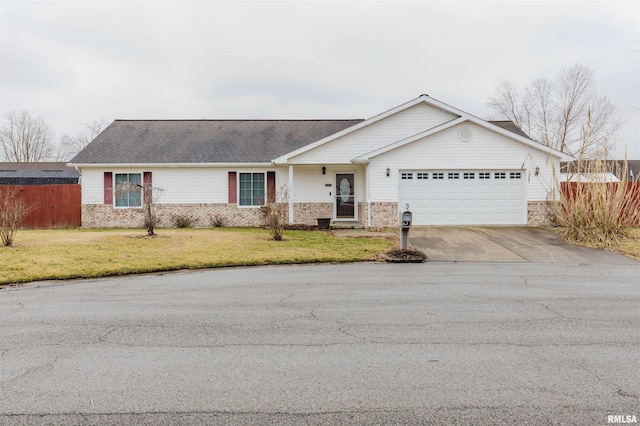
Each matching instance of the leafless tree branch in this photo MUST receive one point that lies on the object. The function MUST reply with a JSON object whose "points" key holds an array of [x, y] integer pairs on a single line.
{"points": [[25, 138], [556, 113]]}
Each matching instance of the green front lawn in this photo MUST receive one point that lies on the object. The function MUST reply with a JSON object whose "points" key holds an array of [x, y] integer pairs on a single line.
{"points": [[64, 254]]}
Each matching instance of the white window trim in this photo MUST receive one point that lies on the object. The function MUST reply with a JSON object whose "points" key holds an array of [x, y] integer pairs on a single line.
{"points": [[113, 190], [238, 173]]}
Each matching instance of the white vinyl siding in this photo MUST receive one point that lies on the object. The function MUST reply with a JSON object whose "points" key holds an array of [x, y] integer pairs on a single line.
{"points": [[92, 181], [311, 186], [403, 124], [179, 185], [186, 186], [444, 151]]}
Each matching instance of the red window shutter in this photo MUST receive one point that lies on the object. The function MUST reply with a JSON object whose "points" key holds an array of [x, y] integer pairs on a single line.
{"points": [[108, 187], [233, 188], [148, 187], [271, 187]]}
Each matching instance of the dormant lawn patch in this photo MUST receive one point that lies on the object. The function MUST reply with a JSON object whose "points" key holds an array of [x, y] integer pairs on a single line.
{"points": [[65, 254]]}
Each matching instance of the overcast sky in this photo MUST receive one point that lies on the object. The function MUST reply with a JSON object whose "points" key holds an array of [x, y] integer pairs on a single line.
{"points": [[76, 62]]}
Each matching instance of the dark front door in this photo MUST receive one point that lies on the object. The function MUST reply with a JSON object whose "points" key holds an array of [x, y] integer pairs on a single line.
{"points": [[345, 196]]}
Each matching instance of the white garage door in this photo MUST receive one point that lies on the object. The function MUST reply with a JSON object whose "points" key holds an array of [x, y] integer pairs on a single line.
{"points": [[458, 197]]}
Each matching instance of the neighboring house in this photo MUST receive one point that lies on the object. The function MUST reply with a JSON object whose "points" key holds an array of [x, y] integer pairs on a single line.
{"points": [[40, 173], [52, 190], [614, 171], [448, 167]]}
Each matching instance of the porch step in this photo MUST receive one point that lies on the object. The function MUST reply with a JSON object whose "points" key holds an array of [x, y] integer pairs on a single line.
{"points": [[346, 225]]}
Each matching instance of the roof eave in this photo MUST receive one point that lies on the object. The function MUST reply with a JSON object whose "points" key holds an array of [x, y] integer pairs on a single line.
{"points": [[169, 165], [283, 159]]}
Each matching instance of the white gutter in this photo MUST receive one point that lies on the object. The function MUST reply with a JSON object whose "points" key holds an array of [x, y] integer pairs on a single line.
{"points": [[169, 165]]}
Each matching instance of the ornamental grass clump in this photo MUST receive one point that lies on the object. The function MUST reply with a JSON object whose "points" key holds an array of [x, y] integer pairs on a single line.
{"points": [[598, 203]]}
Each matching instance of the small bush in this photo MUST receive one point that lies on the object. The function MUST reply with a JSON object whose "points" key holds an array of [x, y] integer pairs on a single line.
{"points": [[275, 214], [218, 221], [13, 211], [181, 221]]}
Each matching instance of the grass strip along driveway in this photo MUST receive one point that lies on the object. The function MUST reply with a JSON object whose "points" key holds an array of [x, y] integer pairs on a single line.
{"points": [[630, 246], [65, 254]]}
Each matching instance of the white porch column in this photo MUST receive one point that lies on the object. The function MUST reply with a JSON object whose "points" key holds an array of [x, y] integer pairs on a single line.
{"points": [[291, 218], [366, 185]]}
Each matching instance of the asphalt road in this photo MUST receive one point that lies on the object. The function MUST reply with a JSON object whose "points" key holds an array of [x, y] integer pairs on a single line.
{"points": [[433, 343]]}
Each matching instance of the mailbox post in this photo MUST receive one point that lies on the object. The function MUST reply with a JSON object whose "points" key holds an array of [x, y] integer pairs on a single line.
{"points": [[406, 224]]}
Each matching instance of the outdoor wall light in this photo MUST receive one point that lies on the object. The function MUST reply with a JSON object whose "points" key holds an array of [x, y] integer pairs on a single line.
{"points": [[324, 170], [537, 171], [388, 171]]}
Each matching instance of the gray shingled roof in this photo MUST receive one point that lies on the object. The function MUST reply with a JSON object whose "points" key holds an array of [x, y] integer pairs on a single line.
{"points": [[510, 126], [42, 173], [204, 141]]}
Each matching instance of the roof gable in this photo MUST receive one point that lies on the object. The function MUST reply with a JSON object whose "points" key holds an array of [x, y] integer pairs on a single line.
{"points": [[502, 130], [506, 128], [343, 149], [364, 123]]}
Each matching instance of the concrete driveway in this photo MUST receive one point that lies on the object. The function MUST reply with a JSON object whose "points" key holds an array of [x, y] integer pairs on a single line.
{"points": [[505, 244]]}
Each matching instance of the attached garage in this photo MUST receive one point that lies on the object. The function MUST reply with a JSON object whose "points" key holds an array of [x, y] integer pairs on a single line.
{"points": [[464, 197]]}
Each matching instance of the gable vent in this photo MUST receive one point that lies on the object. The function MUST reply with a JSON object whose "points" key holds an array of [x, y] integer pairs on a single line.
{"points": [[465, 134]]}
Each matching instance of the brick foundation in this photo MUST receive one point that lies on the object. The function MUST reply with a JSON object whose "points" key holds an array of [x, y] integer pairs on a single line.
{"points": [[307, 213], [383, 214], [541, 213], [201, 215]]}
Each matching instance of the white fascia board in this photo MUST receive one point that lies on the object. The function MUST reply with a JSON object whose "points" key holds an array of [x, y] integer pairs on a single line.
{"points": [[529, 142], [484, 123], [169, 165], [440, 127], [285, 158], [466, 117]]}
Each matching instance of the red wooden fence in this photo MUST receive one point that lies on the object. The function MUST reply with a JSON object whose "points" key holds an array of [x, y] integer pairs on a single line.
{"points": [[56, 206], [569, 189]]}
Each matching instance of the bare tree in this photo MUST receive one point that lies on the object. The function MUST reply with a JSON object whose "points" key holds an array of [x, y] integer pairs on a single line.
{"points": [[69, 146], [556, 113], [149, 195], [275, 213], [13, 211], [25, 138]]}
